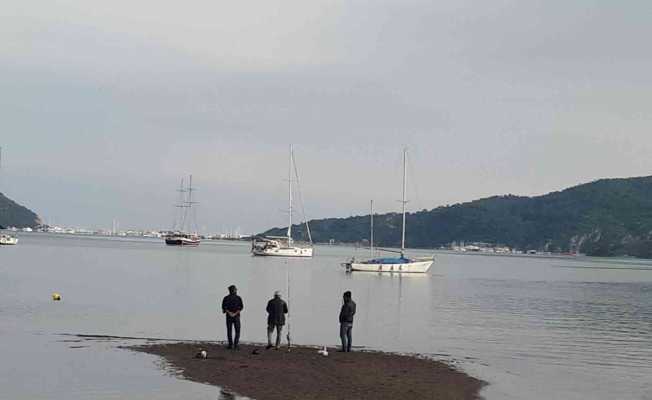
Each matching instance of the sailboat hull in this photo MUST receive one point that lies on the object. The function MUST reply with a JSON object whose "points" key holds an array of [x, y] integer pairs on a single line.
{"points": [[417, 266], [181, 241], [6, 240], [284, 252]]}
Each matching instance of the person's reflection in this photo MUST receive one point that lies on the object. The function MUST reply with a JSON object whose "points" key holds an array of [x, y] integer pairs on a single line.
{"points": [[182, 269], [225, 395]]}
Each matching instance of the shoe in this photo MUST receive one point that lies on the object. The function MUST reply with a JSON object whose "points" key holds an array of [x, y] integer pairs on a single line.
{"points": [[236, 347], [269, 346], [276, 348], [229, 347]]}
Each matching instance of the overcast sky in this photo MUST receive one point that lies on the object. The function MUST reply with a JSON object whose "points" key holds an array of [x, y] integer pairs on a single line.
{"points": [[105, 106]]}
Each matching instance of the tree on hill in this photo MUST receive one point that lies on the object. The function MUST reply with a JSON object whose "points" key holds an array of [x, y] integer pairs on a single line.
{"points": [[13, 214]]}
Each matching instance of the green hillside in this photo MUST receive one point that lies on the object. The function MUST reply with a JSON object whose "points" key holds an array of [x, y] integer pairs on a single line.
{"points": [[13, 214], [607, 217]]}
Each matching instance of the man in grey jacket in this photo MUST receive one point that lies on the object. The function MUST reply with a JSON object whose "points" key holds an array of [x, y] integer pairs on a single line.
{"points": [[276, 310], [346, 321]]}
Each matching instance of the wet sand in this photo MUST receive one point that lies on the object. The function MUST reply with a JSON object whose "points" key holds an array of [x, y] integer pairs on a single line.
{"points": [[302, 373]]}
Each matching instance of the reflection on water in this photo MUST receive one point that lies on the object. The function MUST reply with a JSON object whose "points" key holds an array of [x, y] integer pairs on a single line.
{"points": [[535, 328], [225, 396], [614, 267]]}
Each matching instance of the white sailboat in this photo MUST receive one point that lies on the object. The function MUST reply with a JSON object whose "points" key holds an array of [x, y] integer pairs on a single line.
{"points": [[180, 236], [400, 264], [284, 246]]}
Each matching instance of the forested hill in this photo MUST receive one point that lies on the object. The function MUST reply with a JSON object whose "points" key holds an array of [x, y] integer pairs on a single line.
{"points": [[602, 218], [13, 214]]}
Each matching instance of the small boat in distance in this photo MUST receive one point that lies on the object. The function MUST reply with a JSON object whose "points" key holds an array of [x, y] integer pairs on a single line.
{"points": [[8, 240], [284, 246], [179, 235], [400, 264]]}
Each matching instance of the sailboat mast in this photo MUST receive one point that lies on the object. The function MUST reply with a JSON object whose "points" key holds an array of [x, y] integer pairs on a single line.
{"points": [[371, 216], [189, 204], [190, 191], [179, 215], [404, 201], [290, 195]]}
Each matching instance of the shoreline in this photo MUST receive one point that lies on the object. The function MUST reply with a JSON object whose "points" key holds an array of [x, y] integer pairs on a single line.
{"points": [[303, 373]]}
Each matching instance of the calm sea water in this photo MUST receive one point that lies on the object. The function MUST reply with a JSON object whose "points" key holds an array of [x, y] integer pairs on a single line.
{"points": [[534, 328]]}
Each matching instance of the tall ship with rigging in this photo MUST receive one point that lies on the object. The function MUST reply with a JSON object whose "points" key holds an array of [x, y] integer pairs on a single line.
{"points": [[285, 246], [180, 234], [401, 264]]}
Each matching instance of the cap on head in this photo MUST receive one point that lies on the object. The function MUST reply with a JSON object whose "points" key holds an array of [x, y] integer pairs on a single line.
{"points": [[232, 289], [277, 293]]}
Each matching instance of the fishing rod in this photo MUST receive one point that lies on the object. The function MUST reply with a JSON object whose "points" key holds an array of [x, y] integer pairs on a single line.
{"points": [[288, 290]]}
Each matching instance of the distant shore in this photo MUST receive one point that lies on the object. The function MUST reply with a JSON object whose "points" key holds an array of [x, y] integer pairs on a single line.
{"points": [[303, 373]]}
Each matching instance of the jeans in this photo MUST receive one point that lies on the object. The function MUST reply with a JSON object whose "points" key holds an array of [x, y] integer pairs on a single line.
{"points": [[270, 330], [235, 323], [346, 335]]}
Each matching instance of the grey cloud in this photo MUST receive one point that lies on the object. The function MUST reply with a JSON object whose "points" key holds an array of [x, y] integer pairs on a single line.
{"points": [[108, 106]]}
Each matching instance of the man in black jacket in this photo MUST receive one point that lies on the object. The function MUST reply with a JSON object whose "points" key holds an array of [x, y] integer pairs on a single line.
{"points": [[232, 306], [276, 310], [346, 321]]}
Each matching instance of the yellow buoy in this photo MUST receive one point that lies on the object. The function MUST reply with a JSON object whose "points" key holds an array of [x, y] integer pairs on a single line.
{"points": [[56, 296]]}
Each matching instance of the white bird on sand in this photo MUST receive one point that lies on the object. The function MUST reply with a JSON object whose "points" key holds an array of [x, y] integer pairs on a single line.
{"points": [[201, 354], [323, 352]]}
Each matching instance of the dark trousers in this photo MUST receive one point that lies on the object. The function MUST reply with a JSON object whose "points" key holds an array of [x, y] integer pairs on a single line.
{"points": [[233, 322], [270, 330], [346, 335]]}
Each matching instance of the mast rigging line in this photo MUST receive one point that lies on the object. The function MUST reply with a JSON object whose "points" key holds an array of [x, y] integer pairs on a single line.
{"points": [[417, 204], [303, 209], [178, 214], [193, 212], [187, 216], [389, 251]]}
